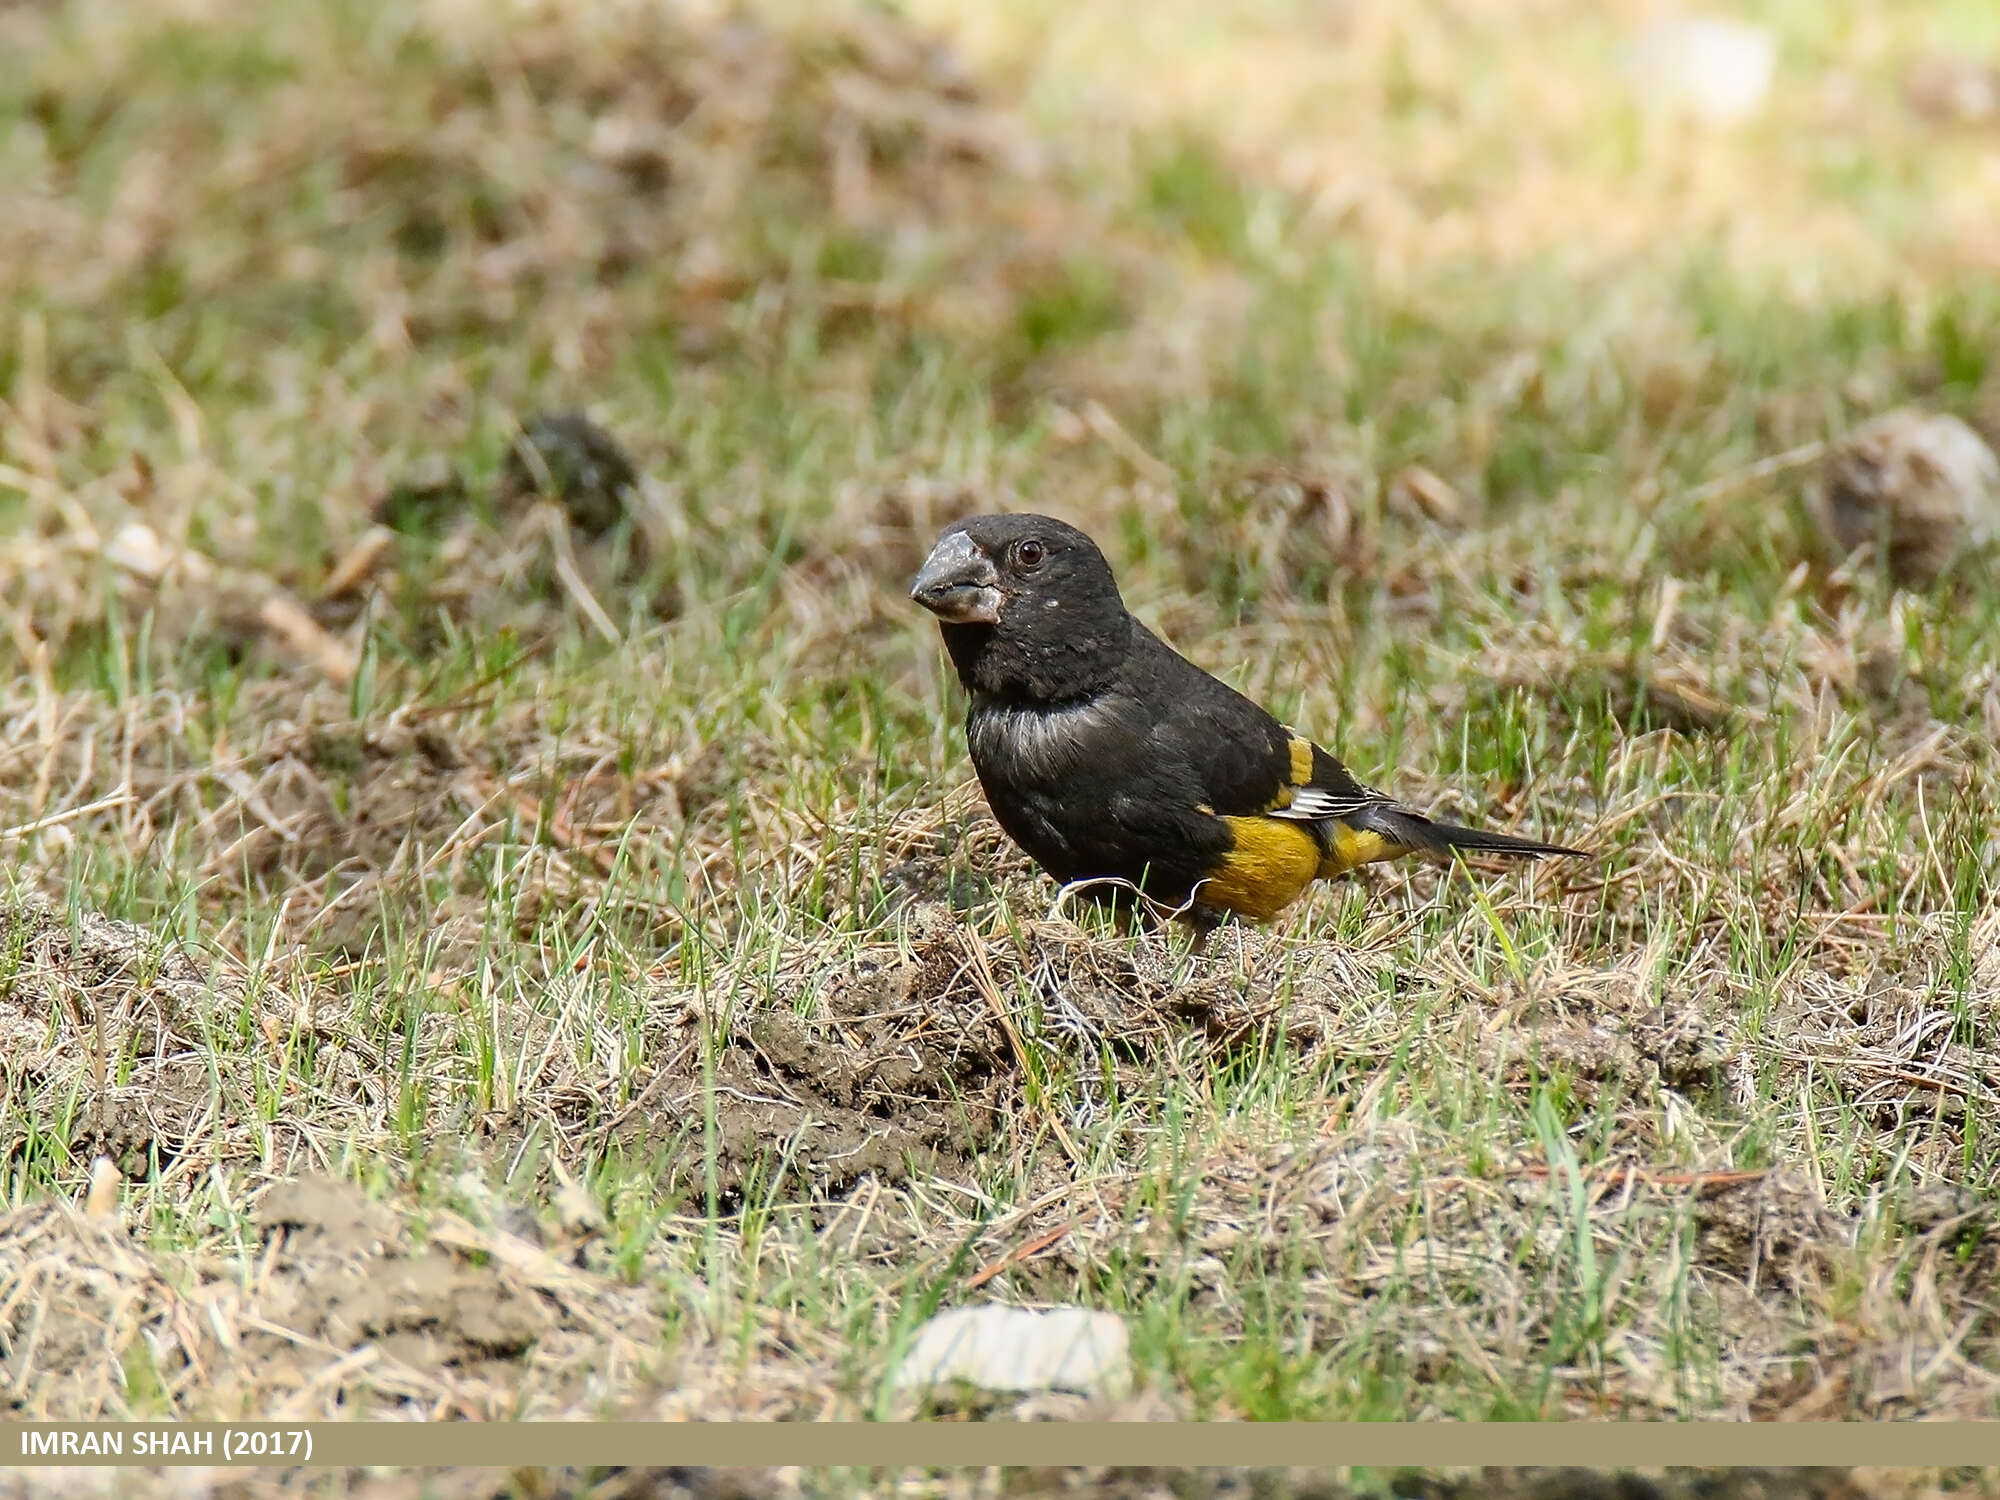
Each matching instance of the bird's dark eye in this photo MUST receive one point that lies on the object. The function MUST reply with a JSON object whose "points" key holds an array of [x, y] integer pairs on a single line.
{"points": [[1028, 555]]}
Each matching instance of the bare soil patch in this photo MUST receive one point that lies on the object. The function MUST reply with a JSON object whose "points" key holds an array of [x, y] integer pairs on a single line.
{"points": [[102, 1028], [346, 1314], [907, 1056]]}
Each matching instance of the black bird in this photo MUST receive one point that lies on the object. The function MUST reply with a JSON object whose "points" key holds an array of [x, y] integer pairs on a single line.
{"points": [[1109, 756]]}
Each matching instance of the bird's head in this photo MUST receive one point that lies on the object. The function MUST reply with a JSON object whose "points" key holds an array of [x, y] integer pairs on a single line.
{"points": [[1028, 605]]}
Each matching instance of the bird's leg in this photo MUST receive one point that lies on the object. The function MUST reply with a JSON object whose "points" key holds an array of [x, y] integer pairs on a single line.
{"points": [[1202, 920]]}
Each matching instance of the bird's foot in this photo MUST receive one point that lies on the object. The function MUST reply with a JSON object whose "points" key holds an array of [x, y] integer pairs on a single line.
{"points": [[1201, 921]]}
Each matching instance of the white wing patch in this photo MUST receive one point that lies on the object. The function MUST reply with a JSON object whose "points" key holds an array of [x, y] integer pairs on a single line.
{"points": [[1311, 804]]}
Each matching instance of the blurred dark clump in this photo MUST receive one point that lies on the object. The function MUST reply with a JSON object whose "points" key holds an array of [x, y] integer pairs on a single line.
{"points": [[566, 457]]}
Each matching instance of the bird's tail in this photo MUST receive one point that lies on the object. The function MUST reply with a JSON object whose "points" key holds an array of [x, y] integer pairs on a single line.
{"points": [[1412, 832]]}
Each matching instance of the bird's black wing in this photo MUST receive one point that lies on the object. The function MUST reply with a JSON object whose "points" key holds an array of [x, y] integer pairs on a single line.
{"points": [[1246, 762], [1249, 764]]}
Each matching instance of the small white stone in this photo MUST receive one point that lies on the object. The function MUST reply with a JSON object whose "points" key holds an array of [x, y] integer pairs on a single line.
{"points": [[1018, 1349]]}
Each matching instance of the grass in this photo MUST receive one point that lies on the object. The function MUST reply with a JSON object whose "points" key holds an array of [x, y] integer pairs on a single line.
{"points": [[1698, 1131]]}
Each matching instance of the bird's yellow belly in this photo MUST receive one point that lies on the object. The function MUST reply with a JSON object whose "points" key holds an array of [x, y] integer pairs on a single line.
{"points": [[1273, 861], [1266, 870], [1355, 847]]}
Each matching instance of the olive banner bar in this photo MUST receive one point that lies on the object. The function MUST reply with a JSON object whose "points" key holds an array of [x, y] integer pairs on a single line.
{"points": [[997, 1444]]}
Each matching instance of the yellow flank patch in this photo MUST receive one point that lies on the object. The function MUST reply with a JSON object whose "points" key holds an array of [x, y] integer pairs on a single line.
{"points": [[1353, 847], [1302, 762], [1272, 863]]}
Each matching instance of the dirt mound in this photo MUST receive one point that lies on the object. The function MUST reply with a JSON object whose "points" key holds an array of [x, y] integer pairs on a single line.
{"points": [[80, 1296], [353, 796], [345, 1280], [1769, 1226], [366, 815], [1919, 1073], [345, 1314], [101, 1028], [915, 1055], [117, 1041], [890, 1065], [89, 965], [397, 819]]}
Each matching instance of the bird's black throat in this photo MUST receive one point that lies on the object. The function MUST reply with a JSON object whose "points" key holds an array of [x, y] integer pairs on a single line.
{"points": [[1050, 662]]}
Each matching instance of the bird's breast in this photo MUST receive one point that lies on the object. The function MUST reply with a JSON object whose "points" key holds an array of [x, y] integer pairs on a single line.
{"points": [[1033, 746]]}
